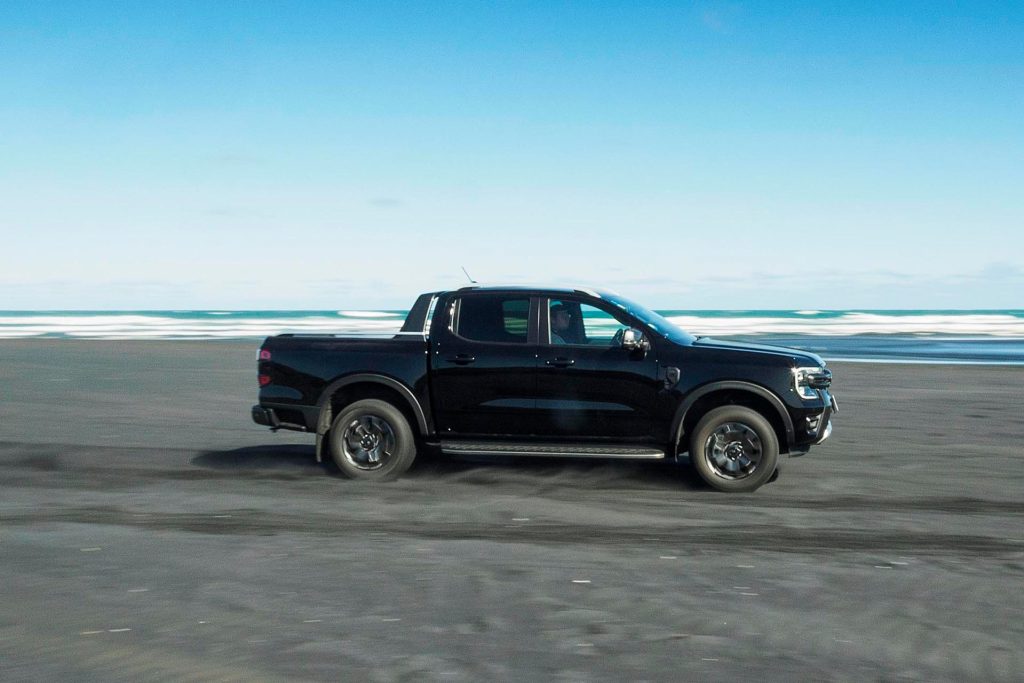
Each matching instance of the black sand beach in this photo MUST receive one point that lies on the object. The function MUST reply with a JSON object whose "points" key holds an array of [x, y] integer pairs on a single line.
{"points": [[150, 531]]}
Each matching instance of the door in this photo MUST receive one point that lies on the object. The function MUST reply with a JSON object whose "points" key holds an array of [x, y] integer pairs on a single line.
{"points": [[588, 386], [483, 358]]}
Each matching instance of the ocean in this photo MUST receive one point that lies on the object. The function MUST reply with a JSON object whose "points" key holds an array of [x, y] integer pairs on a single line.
{"points": [[922, 336]]}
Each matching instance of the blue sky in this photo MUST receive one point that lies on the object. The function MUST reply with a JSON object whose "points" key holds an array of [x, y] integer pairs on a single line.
{"points": [[349, 155]]}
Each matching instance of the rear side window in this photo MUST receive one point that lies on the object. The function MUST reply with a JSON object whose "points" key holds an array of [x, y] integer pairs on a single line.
{"points": [[492, 318]]}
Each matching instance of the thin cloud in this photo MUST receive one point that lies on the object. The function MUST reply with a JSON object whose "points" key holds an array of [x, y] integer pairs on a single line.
{"points": [[233, 211], [1000, 271], [237, 159], [652, 282], [720, 17], [387, 203]]}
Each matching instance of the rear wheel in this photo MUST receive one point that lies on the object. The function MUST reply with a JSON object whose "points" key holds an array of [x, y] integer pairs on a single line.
{"points": [[371, 439], [734, 449]]}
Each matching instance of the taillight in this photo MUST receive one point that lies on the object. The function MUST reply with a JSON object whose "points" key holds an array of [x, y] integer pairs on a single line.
{"points": [[264, 380], [264, 354]]}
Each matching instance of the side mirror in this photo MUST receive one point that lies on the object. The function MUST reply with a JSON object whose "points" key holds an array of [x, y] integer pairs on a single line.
{"points": [[633, 340]]}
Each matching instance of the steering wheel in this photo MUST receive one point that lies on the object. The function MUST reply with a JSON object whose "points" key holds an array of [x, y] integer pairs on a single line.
{"points": [[617, 339]]}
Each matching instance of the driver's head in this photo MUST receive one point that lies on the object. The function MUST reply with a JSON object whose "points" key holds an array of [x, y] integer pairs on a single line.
{"points": [[560, 318]]}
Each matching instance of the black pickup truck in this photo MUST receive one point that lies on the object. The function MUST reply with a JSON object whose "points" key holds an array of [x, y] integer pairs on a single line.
{"points": [[533, 371]]}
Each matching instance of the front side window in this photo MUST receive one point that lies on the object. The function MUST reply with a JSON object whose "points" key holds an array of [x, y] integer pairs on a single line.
{"points": [[576, 323], [492, 318]]}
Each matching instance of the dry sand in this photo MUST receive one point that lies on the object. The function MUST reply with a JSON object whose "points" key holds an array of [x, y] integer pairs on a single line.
{"points": [[150, 531]]}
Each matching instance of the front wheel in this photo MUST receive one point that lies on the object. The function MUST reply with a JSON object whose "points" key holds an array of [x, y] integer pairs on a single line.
{"points": [[734, 449], [371, 439]]}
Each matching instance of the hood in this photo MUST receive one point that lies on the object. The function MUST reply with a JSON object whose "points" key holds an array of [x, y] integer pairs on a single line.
{"points": [[799, 357]]}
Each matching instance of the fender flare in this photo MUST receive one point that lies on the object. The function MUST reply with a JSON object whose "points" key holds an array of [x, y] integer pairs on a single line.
{"points": [[324, 404], [756, 389]]}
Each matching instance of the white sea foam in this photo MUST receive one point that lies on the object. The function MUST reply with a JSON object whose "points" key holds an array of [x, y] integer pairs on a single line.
{"points": [[199, 325], [990, 325], [132, 326], [920, 361]]}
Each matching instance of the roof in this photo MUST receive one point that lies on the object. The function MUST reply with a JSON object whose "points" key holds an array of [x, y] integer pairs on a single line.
{"points": [[540, 288]]}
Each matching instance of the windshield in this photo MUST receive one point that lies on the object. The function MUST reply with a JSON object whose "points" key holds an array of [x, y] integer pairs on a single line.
{"points": [[655, 321]]}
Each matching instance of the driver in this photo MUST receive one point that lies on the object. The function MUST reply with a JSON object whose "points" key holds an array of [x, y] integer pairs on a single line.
{"points": [[561, 319]]}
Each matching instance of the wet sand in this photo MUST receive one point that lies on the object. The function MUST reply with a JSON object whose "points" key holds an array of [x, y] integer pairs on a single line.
{"points": [[150, 531]]}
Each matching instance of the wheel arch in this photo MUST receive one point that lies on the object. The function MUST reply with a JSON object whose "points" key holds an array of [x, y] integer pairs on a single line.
{"points": [[350, 388], [734, 392]]}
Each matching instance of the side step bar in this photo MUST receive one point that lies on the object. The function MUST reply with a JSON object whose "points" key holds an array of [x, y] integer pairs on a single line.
{"points": [[549, 450]]}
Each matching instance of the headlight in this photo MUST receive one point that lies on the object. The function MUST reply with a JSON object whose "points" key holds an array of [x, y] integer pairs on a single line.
{"points": [[806, 381]]}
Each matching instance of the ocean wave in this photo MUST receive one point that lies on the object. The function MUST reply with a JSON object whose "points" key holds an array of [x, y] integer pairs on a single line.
{"points": [[252, 324], [849, 324], [112, 326], [369, 314]]}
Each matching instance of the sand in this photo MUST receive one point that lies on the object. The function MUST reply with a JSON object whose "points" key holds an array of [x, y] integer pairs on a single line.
{"points": [[150, 531]]}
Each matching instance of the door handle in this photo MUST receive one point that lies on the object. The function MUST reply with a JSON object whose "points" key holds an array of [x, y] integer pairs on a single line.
{"points": [[462, 359], [560, 362]]}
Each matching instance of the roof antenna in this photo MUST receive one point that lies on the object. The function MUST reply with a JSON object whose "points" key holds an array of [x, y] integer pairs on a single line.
{"points": [[471, 280]]}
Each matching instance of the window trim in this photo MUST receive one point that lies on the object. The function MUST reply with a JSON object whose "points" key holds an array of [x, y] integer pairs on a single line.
{"points": [[455, 308], [544, 334]]}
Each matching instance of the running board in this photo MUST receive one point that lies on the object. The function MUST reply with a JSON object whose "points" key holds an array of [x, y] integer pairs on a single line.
{"points": [[549, 450]]}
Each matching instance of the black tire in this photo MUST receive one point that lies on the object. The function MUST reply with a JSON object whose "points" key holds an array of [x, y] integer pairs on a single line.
{"points": [[372, 439], [734, 449]]}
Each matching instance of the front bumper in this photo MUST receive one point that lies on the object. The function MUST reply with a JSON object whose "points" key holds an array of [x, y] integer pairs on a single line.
{"points": [[813, 429], [825, 421]]}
